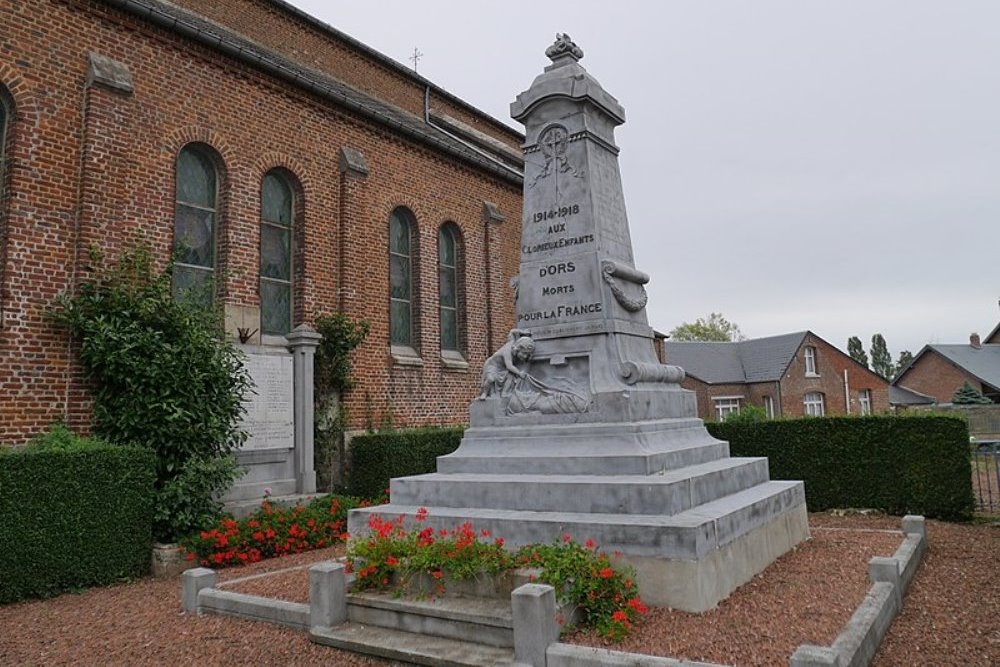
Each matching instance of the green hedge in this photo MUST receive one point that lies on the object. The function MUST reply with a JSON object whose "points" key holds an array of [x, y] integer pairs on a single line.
{"points": [[378, 457], [916, 465], [73, 513]]}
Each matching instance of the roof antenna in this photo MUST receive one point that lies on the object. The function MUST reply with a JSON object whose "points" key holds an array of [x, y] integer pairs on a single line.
{"points": [[417, 55]]}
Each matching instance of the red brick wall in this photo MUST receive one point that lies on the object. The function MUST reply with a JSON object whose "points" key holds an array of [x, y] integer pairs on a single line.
{"points": [[935, 376], [830, 365], [706, 393], [296, 38], [96, 166]]}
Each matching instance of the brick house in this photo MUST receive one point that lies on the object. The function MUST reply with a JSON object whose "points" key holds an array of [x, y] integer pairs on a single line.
{"points": [[789, 376], [298, 171], [937, 370]]}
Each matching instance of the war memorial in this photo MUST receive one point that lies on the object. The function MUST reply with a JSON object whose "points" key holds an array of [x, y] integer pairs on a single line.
{"points": [[579, 428]]}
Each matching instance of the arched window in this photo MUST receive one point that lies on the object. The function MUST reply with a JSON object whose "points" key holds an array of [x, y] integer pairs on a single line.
{"points": [[450, 287], [6, 111], [195, 223], [277, 207], [401, 228]]}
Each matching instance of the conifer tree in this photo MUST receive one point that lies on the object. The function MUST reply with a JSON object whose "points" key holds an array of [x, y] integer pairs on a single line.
{"points": [[881, 359], [967, 395], [857, 351]]}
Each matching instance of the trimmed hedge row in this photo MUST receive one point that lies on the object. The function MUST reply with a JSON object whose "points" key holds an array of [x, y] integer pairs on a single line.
{"points": [[75, 514], [378, 457], [902, 465]]}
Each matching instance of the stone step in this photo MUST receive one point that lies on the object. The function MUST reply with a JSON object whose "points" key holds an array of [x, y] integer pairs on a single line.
{"points": [[669, 492], [639, 448], [581, 462], [409, 647], [488, 620], [688, 535]]}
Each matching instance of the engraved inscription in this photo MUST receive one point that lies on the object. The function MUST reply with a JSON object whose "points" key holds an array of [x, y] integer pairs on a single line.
{"points": [[269, 418], [553, 213], [564, 242]]}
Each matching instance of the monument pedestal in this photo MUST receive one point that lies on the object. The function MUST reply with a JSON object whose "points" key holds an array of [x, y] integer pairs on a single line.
{"points": [[579, 429]]}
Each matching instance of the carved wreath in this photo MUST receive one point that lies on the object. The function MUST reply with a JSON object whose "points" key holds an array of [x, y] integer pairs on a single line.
{"points": [[608, 271]]}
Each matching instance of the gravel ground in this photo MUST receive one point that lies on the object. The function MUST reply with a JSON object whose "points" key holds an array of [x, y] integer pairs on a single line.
{"points": [[950, 617]]}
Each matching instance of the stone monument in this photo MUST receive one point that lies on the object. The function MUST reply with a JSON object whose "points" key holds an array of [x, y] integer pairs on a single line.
{"points": [[578, 427]]}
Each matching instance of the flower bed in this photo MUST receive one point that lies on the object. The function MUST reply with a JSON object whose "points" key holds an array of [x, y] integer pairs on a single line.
{"points": [[272, 531], [392, 557]]}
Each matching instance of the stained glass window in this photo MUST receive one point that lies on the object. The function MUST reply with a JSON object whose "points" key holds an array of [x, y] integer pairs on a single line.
{"points": [[195, 226], [400, 278], [276, 206], [448, 286]]}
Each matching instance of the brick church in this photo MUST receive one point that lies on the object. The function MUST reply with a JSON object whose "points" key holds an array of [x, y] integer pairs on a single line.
{"points": [[296, 172]]}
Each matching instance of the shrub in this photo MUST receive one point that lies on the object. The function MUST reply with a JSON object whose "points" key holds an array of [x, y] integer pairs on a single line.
{"points": [[162, 376], [378, 457], [391, 556], [272, 531], [76, 512], [896, 464]]}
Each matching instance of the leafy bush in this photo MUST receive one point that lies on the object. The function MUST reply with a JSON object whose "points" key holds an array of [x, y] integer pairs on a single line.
{"points": [[900, 465], [746, 414], [378, 457], [332, 364], [162, 376], [76, 512], [391, 556], [272, 531]]}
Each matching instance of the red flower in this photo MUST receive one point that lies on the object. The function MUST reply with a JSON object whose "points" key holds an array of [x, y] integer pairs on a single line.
{"points": [[498, 541], [258, 536], [437, 574], [567, 537], [619, 616], [638, 606], [590, 544], [606, 573], [391, 561], [421, 513], [190, 556]]}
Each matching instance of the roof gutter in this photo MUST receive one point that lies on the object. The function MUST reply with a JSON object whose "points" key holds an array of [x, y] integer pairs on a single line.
{"points": [[280, 71], [467, 144]]}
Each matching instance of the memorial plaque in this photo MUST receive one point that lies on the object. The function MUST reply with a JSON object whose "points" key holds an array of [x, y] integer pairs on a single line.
{"points": [[270, 417]]}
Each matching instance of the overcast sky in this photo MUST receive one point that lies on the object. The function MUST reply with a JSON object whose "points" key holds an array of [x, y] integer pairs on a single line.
{"points": [[794, 164]]}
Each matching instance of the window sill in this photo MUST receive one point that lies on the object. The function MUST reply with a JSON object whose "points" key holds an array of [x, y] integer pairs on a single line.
{"points": [[405, 356], [812, 375], [453, 361]]}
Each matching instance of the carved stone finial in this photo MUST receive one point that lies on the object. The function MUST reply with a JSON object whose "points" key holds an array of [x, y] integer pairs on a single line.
{"points": [[563, 47]]}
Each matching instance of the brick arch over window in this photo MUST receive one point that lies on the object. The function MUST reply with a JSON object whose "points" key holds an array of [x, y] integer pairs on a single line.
{"points": [[451, 289], [199, 183], [404, 272], [281, 213]]}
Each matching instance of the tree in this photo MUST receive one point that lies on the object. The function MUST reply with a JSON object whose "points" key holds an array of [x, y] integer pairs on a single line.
{"points": [[967, 395], [714, 328], [857, 351], [881, 359], [905, 357], [164, 377]]}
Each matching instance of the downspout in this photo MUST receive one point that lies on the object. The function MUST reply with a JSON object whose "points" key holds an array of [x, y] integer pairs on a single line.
{"points": [[847, 393], [468, 144]]}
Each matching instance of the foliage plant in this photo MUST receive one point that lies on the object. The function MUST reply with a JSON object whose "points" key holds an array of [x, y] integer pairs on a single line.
{"points": [[332, 377], [332, 365], [747, 414], [390, 556], [881, 359], [857, 351], [378, 457], [898, 464], [75, 511], [713, 328], [968, 395], [272, 531], [162, 376]]}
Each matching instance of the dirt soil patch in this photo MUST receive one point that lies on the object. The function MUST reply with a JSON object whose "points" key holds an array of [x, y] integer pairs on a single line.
{"points": [[950, 617]]}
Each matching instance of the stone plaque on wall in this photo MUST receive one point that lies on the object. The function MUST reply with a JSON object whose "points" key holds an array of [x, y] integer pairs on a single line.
{"points": [[270, 418]]}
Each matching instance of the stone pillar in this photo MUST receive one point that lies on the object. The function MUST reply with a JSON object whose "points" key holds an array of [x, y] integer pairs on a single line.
{"points": [[302, 341], [327, 594], [881, 568], [492, 219], [914, 524], [535, 626], [192, 582]]}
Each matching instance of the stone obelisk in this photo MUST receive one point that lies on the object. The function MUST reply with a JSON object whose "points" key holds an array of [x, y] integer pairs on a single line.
{"points": [[579, 428]]}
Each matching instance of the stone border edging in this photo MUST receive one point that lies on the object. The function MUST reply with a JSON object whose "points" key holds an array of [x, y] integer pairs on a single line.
{"points": [[857, 644], [571, 655]]}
